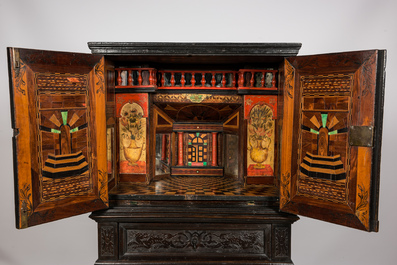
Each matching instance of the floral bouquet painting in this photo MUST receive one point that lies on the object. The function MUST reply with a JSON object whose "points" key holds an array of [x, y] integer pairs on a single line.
{"points": [[132, 136]]}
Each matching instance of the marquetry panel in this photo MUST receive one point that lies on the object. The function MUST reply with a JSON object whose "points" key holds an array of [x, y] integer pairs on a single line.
{"points": [[330, 175], [197, 98], [58, 106], [197, 149]]}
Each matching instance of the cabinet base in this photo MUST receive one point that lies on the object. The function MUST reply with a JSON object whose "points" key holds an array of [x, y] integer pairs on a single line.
{"points": [[130, 262], [194, 233]]}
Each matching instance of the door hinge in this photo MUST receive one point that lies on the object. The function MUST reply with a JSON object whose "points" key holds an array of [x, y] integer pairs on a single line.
{"points": [[15, 60], [361, 136]]}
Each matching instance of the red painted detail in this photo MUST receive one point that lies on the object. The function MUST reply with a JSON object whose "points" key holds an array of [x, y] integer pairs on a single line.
{"points": [[180, 148], [214, 150]]}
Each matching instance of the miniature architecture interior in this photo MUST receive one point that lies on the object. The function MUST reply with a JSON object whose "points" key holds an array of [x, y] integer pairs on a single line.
{"points": [[197, 152]]}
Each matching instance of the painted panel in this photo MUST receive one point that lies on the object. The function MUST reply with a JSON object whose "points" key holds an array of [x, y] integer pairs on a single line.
{"points": [[260, 113], [132, 113]]}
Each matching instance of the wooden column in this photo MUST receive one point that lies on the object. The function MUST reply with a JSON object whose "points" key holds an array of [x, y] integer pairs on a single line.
{"points": [[180, 149], [214, 149]]}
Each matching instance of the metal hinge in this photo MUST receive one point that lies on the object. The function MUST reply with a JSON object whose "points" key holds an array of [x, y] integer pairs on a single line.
{"points": [[361, 136], [15, 62]]}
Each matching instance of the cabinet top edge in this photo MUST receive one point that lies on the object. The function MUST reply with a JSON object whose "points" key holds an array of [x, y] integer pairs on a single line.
{"points": [[196, 49]]}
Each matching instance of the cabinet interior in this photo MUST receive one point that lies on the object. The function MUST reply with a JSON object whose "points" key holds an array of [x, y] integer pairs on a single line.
{"points": [[193, 127]]}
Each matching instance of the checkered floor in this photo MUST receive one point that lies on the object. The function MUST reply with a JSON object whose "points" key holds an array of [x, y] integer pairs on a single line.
{"points": [[200, 186]]}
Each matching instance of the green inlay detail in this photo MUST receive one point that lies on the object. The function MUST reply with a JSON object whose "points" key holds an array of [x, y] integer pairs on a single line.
{"points": [[189, 164], [197, 98], [204, 163], [324, 118], [314, 131], [74, 130], [204, 143], [197, 134], [64, 117], [55, 131], [333, 132], [189, 143]]}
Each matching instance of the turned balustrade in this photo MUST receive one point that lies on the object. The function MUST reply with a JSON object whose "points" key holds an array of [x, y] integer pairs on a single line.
{"points": [[257, 79], [197, 79], [135, 77], [166, 79]]}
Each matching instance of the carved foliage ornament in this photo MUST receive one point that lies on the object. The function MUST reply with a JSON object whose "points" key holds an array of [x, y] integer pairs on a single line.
{"points": [[99, 73], [289, 79], [195, 240], [363, 205], [281, 242], [103, 186], [19, 76], [107, 241], [26, 204], [368, 78], [285, 195]]}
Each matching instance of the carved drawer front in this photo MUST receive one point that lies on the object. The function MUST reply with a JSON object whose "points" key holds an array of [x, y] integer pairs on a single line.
{"points": [[213, 240]]}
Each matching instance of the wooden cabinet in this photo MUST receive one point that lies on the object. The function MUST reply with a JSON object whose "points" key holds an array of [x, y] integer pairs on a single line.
{"points": [[197, 152]]}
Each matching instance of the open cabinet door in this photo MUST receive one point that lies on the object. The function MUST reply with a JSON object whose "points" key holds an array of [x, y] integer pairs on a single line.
{"points": [[111, 126], [59, 121], [162, 144], [233, 131], [331, 137]]}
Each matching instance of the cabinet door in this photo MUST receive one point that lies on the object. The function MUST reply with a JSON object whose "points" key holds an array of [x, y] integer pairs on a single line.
{"points": [[233, 141], [59, 121], [163, 143], [331, 137]]}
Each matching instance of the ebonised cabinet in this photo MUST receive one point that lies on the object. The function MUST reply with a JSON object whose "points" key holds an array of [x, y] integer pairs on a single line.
{"points": [[196, 153]]}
